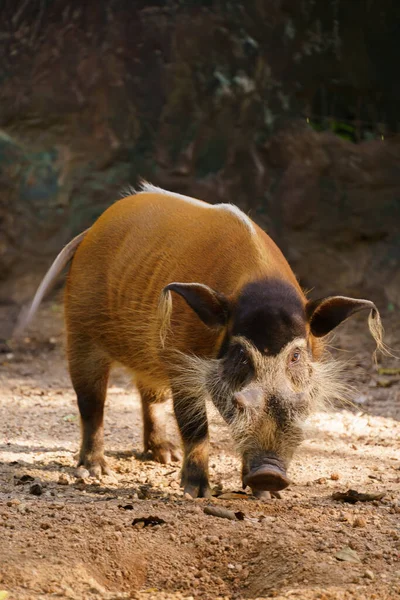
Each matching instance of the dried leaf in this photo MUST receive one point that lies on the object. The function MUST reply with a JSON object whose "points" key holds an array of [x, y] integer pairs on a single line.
{"points": [[233, 496], [23, 479], [148, 521], [383, 371], [240, 515], [385, 383], [70, 418], [352, 496], [347, 554]]}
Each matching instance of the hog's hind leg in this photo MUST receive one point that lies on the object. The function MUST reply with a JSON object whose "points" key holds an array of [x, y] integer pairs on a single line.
{"points": [[193, 427], [89, 368], [154, 426]]}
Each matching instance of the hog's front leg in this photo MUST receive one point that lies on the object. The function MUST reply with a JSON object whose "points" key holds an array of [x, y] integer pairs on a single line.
{"points": [[154, 426], [191, 416]]}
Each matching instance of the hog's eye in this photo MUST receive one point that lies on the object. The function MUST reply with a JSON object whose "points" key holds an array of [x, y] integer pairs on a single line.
{"points": [[295, 356], [242, 356]]}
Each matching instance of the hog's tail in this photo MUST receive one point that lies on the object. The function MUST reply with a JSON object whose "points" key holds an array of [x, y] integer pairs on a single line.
{"points": [[27, 313]]}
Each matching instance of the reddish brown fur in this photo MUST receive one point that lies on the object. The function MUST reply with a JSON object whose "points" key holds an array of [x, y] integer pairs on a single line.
{"points": [[117, 276], [245, 308]]}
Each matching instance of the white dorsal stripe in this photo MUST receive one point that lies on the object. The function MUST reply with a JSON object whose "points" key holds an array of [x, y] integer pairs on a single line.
{"points": [[234, 210]]}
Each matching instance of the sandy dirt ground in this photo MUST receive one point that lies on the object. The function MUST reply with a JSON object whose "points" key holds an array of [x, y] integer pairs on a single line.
{"points": [[61, 537]]}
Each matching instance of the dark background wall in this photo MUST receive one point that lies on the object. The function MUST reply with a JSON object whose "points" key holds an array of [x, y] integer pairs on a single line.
{"points": [[288, 108]]}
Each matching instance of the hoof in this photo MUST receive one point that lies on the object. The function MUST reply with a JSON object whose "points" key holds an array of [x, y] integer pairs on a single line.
{"points": [[197, 490], [263, 495], [165, 452], [93, 468]]}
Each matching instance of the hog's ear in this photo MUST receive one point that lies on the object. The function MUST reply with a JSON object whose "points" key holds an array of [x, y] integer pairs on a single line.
{"points": [[327, 313], [211, 306]]}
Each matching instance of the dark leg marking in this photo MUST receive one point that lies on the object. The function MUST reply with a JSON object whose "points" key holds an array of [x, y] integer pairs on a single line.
{"points": [[89, 369], [193, 427]]}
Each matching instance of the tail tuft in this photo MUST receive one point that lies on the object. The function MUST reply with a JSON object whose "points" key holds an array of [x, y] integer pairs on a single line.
{"points": [[27, 313]]}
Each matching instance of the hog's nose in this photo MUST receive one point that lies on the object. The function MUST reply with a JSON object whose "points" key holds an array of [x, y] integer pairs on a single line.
{"points": [[268, 475]]}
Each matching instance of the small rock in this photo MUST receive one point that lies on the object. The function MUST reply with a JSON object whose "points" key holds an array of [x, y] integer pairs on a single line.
{"points": [[343, 516], [212, 539], [369, 575], [80, 484], [45, 526], [346, 554], [95, 587], [63, 479], [335, 476], [359, 522], [13, 502], [36, 489]]}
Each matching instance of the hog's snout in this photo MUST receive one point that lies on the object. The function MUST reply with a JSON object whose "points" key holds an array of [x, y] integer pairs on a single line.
{"points": [[267, 475]]}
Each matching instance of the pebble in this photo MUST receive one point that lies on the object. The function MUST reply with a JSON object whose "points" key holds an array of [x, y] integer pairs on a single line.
{"points": [[347, 554], [63, 479], [359, 522], [335, 476], [13, 502], [212, 539], [36, 489], [343, 516], [369, 574]]}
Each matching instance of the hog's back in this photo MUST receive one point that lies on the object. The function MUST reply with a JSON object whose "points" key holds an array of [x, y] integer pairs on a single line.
{"points": [[141, 244]]}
